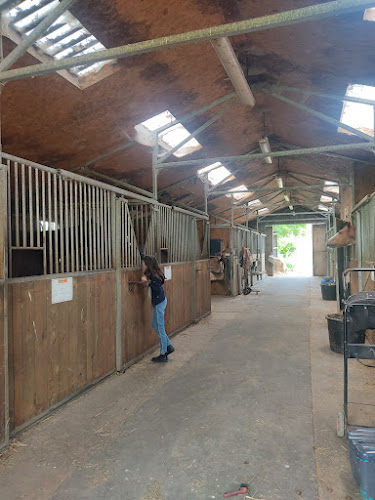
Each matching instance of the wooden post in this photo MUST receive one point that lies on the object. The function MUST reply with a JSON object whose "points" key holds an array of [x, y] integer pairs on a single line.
{"points": [[116, 248], [4, 361], [193, 271]]}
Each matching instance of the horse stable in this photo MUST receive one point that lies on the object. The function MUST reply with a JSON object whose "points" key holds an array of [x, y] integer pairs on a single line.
{"points": [[230, 143]]}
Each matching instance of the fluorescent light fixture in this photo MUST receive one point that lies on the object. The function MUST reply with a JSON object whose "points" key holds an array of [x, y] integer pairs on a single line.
{"points": [[170, 137], [254, 202], [286, 198], [265, 209], [323, 208], [291, 207], [265, 147], [326, 199], [216, 173], [331, 187], [280, 182]]}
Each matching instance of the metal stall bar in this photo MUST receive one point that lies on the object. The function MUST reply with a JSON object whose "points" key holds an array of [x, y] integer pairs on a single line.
{"points": [[16, 204], [31, 214], [49, 198], [56, 222], [37, 204], [105, 214], [77, 247], [90, 244], [61, 207], [305, 14], [23, 192], [94, 228], [81, 241], [72, 260], [67, 242]]}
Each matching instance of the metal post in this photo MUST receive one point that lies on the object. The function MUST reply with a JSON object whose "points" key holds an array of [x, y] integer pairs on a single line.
{"points": [[117, 250], [232, 246], [359, 249], [206, 186], [4, 279], [337, 277], [154, 169]]}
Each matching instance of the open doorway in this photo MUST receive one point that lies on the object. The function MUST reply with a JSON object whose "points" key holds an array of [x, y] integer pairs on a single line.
{"points": [[293, 245]]}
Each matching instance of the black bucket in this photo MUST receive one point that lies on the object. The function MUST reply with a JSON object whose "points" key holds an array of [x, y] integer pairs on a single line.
{"points": [[328, 291], [336, 333]]}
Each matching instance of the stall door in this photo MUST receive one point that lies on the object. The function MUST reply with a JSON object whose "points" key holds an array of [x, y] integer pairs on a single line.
{"points": [[319, 250]]}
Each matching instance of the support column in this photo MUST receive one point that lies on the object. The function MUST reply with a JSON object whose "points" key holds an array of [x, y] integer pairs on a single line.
{"points": [[116, 249], [193, 274], [4, 357], [232, 270]]}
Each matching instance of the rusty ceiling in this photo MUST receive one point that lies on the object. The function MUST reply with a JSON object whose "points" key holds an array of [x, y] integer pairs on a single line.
{"points": [[51, 121]]}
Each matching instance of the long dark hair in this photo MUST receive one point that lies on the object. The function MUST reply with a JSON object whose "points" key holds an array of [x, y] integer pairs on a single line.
{"points": [[153, 268]]}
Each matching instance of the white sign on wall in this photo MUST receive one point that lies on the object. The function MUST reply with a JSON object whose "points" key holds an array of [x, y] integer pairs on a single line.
{"points": [[168, 272], [62, 290]]}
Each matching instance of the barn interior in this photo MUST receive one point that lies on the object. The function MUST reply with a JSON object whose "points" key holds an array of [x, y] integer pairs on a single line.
{"points": [[185, 130]]}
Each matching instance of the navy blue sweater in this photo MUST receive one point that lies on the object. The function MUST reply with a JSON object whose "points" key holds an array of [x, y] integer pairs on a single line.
{"points": [[157, 292]]}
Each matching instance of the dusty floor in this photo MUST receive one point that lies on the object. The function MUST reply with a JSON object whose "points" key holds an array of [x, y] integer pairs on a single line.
{"points": [[250, 395]]}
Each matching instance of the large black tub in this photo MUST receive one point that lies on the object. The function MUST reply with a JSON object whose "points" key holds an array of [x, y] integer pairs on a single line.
{"points": [[336, 333]]}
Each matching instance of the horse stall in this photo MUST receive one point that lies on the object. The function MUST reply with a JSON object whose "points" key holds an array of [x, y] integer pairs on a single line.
{"points": [[237, 258], [71, 312]]}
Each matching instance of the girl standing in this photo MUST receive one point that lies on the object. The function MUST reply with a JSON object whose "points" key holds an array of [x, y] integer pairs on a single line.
{"points": [[155, 278]]}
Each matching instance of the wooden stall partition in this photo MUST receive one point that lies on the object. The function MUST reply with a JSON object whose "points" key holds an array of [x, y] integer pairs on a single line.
{"points": [[3, 381], [59, 349], [138, 336], [203, 294]]}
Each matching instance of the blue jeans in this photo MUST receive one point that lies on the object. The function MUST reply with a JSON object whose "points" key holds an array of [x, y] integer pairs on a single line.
{"points": [[158, 326]]}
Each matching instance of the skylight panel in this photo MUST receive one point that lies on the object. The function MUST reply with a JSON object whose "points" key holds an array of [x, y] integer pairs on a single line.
{"points": [[172, 136], [67, 37], [216, 173], [356, 115], [263, 210], [240, 196], [369, 14]]}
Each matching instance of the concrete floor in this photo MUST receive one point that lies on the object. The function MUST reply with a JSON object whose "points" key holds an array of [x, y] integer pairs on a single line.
{"points": [[250, 395]]}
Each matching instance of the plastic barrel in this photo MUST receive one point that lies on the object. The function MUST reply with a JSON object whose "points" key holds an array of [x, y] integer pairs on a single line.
{"points": [[336, 333], [328, 291]]}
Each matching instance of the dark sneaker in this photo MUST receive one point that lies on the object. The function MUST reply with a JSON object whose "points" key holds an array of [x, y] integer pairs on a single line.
{"points": [[170, 349], [162, 358]]}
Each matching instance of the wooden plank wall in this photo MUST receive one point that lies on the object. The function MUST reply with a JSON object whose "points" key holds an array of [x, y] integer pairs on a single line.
{"points": [[203, 304], [58, 349], [137, 311], [2, 368]]}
